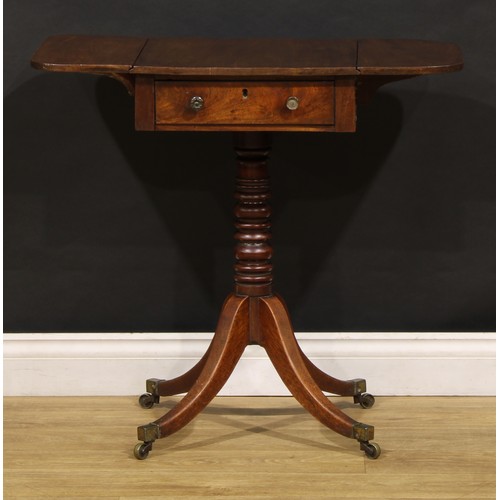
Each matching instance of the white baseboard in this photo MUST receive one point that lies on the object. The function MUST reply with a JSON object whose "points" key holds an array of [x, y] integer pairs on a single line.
{"points": [[107, 364]]}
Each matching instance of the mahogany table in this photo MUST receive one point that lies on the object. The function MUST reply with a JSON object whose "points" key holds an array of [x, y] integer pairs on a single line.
{"points": [[251, 88]]}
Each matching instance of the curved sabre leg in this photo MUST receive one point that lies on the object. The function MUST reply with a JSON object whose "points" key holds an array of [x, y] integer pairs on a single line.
{"points": [[158, 387], [279, 342], [355, 387], [330, 384], [155, 388], [229, 342]]}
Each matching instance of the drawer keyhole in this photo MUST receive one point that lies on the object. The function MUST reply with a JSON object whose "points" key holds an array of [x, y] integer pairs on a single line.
{"points": [[244, 93]]}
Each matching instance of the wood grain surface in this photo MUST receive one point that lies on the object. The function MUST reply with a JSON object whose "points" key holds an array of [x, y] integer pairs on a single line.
{"points": [[407, 57], [88, 54], [246, 102], [246, 58]]}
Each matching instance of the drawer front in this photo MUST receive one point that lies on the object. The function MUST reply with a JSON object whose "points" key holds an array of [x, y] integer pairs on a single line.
{"points": [[244, 103]]}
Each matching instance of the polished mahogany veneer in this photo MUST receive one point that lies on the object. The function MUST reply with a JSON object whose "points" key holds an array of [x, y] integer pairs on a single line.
{"points": [[270, 70], [260, 58]]}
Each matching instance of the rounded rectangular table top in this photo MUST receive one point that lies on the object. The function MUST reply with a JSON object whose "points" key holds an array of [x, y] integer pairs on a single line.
{"points": [[245, 58]]}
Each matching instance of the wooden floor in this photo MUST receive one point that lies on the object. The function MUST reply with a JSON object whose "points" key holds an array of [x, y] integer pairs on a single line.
{"points": [[247, 448]]}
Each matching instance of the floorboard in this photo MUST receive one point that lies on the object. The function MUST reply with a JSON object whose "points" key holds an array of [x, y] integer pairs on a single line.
{"points": [[254, 447]]}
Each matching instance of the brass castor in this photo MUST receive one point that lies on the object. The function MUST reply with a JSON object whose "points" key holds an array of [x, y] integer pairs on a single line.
{"points": [[365, 400], [372, 450], [141, 450], [147, 400]]}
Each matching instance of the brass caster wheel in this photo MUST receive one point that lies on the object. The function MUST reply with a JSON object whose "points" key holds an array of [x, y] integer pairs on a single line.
{"points": [[372, 450], [365, 400], [147, 400], [141, 450]]}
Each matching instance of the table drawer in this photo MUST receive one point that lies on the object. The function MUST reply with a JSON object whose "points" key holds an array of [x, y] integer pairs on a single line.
{"points": [[244, 103]]}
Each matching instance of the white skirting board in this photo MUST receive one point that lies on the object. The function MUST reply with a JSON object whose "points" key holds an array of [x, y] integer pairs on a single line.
{"points": [[415, 364]]}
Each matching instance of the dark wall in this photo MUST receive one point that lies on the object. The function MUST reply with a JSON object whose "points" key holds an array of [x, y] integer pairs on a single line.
{"points": [[107, 229]]}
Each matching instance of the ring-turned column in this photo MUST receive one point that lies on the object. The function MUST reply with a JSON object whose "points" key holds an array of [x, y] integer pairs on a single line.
{"points": [[253, 267]]}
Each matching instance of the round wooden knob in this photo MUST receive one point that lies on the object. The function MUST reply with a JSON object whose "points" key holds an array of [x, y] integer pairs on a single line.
{"points": [[197, 103], [292, 103]]}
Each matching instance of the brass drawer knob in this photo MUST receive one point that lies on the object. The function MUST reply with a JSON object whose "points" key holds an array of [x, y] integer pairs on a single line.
{"points": [[197, 103], [292, 103]]}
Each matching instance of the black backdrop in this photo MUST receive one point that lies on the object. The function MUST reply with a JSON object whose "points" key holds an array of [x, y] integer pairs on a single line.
{"points": [[388, 229]]}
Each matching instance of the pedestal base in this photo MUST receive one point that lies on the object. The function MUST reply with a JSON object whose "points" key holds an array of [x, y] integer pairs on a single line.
{"points": [[264, 321]]}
